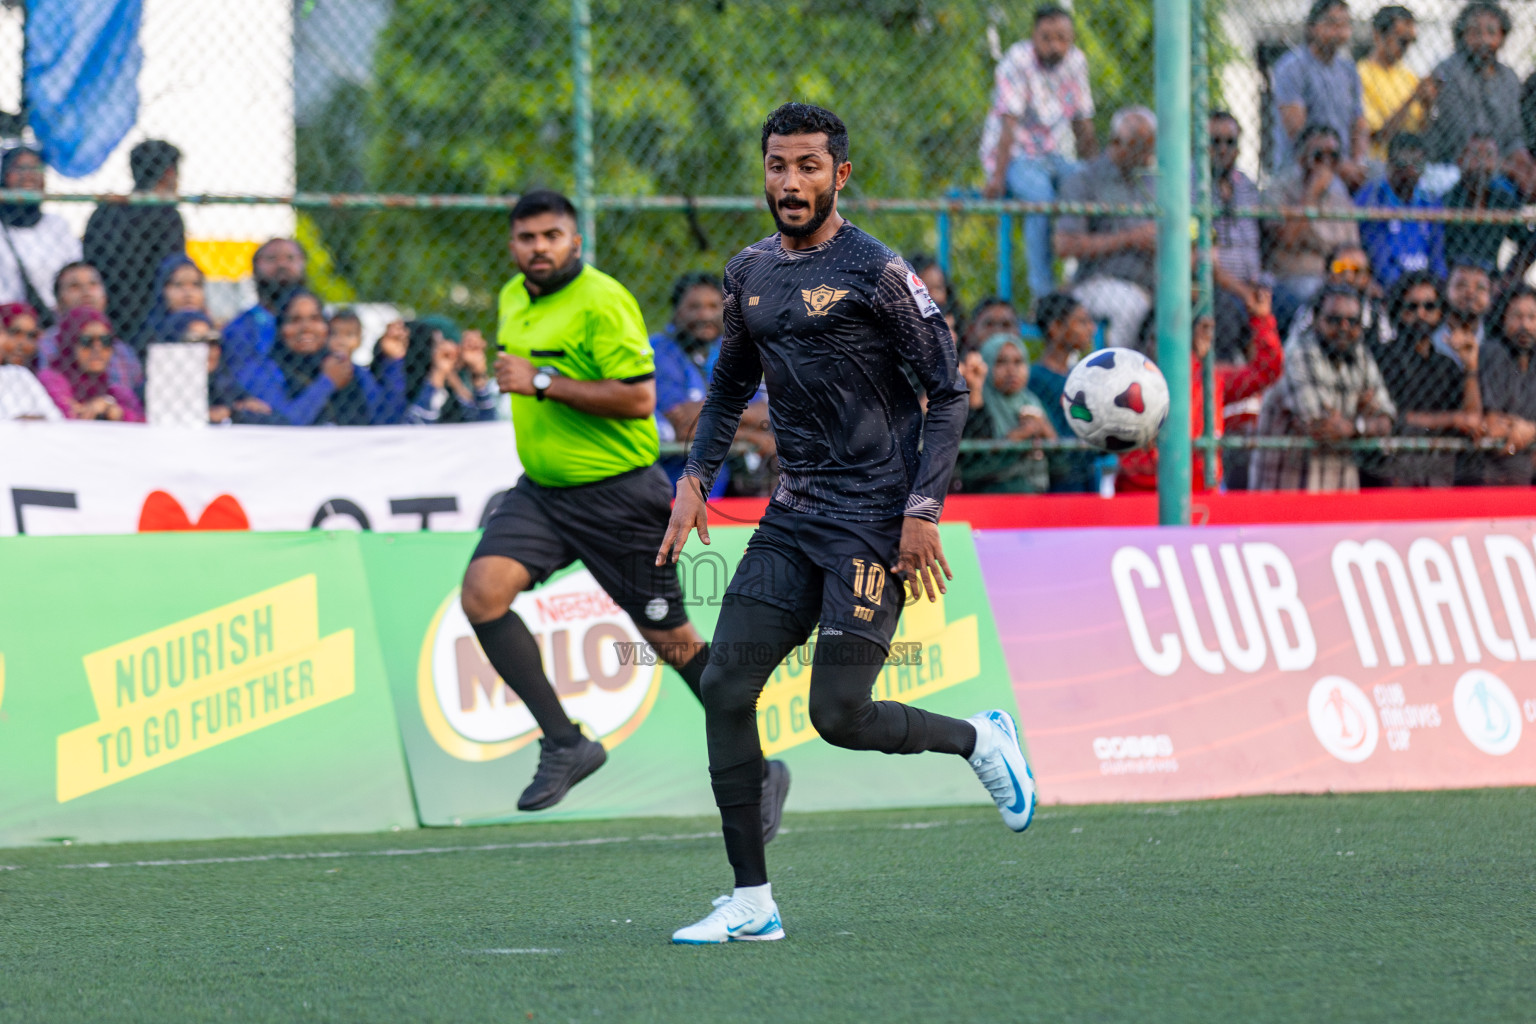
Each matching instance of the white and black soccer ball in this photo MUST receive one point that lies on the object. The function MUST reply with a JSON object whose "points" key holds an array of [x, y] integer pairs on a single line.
{"points": [[1116, 399]]}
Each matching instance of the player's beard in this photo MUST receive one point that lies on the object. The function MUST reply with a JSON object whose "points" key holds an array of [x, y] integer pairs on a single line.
{"points": [[821, 209]]}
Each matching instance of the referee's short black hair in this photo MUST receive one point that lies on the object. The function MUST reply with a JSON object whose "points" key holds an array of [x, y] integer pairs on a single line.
{"points": [[691, 280], [543, 200], [805, 119], [1049, 11]]}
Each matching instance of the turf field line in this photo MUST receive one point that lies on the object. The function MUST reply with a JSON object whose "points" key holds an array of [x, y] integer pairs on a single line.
{"points": [[539, 844], [504, 951]]}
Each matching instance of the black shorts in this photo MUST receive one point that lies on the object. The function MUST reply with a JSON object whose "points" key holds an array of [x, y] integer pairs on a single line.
{"points": [[613, 526], [831, 571]]}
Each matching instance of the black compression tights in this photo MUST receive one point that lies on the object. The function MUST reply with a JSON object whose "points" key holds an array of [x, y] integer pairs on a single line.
{"points": [[842, 674]]}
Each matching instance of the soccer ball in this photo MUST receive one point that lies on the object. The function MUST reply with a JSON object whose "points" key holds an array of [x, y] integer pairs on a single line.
{"points": [[1116, 399]]}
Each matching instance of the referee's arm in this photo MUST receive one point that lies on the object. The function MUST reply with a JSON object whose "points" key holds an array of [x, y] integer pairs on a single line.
{"points": [[629, 399]]}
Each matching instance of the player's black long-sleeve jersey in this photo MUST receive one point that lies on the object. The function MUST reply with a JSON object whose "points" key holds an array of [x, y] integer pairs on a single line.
{"points": [[828, 328]]}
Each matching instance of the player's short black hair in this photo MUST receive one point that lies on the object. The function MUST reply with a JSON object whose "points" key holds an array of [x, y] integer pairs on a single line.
{"points": [[1383, 20], [691, 280], [1472, 10], [542, 200], [1047, 11], [1320, 9], [806, 119], [58, 279], [148, 162], [1054, 308]]}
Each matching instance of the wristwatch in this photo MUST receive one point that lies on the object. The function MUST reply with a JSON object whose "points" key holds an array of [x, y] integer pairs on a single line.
{"points": [[541, 383]]}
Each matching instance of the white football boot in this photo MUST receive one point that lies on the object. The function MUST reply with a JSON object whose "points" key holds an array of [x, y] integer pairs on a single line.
{"points": [[747, 915], [1000, 765]]}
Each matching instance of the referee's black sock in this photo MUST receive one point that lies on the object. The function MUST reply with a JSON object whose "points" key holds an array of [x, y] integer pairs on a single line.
{"points": [[515, 657], [694, 671]]}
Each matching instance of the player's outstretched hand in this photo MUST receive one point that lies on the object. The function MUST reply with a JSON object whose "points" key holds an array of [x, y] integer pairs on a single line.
{"points": [[920, 560], [688, 514]]}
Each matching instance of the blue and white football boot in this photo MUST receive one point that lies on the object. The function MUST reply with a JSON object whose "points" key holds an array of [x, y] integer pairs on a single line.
{"points": [[747, 915], [1000, 765]]}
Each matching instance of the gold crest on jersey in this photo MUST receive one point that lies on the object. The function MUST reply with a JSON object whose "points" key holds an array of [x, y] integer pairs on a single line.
{"points": [[820, 300]]}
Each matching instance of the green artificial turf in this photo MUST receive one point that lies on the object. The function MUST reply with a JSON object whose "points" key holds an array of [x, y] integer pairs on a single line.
{"points": [[1404, 907]]}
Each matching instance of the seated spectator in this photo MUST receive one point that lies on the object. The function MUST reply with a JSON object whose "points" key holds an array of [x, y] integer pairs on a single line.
{"points": [[1117, 256], [1468, 295], [1399, 246], [451, 385], [1394, 98], [1039, 126], [35, 245], [1483, 187], [78, 286], [19, 331], [228, 402], [178, 288], [1317, 83], [1351, 266], [1330, 390], [1434, 396], [1138, 468], [1004, 409], [1509, 388], [1067, 330], [1298, 246], [993, 315], [279, 267], [1477, 95], [128, 244], [303, 383], [1237, 261], [77, 380], [22, 395]]}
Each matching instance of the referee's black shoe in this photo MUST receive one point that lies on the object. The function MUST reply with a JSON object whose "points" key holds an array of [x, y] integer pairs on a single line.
{"points": [[775, 790], [560, 768]]}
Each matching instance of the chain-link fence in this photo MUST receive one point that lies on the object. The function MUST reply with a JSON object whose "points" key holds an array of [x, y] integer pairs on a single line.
{"points": [[1007, 150]]}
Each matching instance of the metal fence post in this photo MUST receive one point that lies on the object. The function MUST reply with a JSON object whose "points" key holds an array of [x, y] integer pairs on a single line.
{"points": [[1172, 91], [581, 75], [1199, 116]]}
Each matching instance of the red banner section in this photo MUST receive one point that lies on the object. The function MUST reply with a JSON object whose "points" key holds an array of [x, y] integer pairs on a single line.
{"points": [[1041, 511], [1163, 664]]}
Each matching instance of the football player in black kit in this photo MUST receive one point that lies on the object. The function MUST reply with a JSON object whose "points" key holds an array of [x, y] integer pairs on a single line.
{"points": [[827, 315]]}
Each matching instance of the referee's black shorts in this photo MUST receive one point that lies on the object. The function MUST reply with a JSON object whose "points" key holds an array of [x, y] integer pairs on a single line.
{"points": [[614, 526]]}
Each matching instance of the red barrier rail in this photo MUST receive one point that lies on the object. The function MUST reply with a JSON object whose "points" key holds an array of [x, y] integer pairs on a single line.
{"points": [[1057, 511]]}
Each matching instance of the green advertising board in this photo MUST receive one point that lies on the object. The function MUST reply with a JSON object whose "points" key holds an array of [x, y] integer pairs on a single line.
{"points": [[190, 686], [471, 745]]}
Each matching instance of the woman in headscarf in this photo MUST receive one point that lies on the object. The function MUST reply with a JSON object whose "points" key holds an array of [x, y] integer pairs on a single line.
{"points": [[303, 383], [78, 382], [19, 323], [178, 289], [446, 376], [1003, 408], [34, 246]]}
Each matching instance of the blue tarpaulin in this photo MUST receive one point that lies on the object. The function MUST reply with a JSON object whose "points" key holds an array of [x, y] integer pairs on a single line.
{"points": [[82, 80]]}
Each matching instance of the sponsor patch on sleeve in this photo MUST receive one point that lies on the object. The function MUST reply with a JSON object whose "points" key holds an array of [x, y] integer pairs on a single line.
{"points": [[925, 304]]}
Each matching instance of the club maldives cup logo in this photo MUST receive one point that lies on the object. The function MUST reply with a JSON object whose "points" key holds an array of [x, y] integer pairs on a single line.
{"points": [[592, 654]]}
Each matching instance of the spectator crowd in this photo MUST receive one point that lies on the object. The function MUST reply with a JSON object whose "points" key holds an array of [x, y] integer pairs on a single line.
{"points": [[1326, 329]]}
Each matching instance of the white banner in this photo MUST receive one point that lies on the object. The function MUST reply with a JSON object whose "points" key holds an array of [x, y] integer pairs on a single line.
{"points": [[80, 478]]}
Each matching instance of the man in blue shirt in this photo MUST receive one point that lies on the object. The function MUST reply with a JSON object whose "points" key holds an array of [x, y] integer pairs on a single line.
{"points": [[1397, 247], [686, 350], [279, 268]]}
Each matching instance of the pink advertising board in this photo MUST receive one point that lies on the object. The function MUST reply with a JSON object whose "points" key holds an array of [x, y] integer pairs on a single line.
{"points": [[1169, 664]]}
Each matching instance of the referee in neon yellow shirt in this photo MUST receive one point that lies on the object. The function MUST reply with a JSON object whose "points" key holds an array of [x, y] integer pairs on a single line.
{"points": [[576, 359]]}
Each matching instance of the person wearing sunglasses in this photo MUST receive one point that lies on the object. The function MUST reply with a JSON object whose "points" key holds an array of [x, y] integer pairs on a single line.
{"points": [[78, 382], [1395, 99], [1318, 83], [1238, 262], [1400, 246], [1350, 265], [1298, 247], [1330, 390], [1434, 396]]}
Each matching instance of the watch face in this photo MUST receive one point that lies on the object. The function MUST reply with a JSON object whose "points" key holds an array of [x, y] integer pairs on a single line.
{"points": [[541, 381]]}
